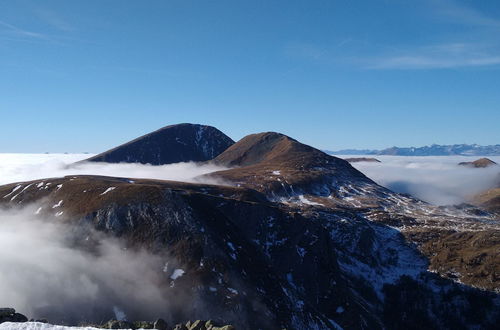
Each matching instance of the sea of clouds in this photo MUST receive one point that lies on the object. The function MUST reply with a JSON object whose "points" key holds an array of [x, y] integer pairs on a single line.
{"points": [[434, 179], [43, 275], [26, 167]]}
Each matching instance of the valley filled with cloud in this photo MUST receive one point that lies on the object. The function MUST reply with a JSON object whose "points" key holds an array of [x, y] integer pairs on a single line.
{"points": [[438, 180]]}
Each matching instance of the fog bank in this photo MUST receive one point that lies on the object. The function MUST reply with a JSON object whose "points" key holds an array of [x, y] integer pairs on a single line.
{"points": [[435, 179], [45, 274], [27, 167]]}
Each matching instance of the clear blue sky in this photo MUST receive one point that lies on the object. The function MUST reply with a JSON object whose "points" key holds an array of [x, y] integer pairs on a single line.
{"points": [[87, 75]]}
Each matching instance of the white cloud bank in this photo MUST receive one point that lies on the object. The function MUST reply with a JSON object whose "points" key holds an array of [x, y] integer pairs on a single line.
{"points": [[438, 180], [26, 167], [46, 271]]}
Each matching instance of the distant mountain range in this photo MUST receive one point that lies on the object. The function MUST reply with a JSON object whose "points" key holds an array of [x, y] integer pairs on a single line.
{"points": [[433, 150]]}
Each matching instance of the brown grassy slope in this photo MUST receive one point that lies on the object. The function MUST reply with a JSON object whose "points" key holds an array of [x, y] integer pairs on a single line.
{"points": [[474, 257], [271, 162], [490, 200], [84, 194]]}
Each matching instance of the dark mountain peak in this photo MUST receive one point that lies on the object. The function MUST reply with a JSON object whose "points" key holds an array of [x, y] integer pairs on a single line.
{"points": [[479, 163], [170, 144]]}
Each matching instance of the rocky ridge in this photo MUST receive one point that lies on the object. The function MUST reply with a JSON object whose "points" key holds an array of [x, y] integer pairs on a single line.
{"points": [[432, 150]]}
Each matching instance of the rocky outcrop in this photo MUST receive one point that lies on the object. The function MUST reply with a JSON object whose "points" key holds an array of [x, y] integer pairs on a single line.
{"points": [[161, 324], [10, 315], [362, 159], [170, 144], [479, 163]]}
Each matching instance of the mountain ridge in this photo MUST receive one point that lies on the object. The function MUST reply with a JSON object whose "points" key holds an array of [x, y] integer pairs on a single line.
{"points": [[432, 150]]}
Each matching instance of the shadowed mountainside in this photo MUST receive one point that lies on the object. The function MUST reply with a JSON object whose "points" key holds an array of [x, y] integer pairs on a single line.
{"points": [[170, 144]]}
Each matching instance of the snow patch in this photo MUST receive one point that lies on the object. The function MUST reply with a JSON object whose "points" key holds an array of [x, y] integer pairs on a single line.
{"points": [[13, 191], [58, 204], [177, 273], [304, 200], [107, 191]]}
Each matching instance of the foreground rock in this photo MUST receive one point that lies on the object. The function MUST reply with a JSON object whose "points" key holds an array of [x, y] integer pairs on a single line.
{"points": [[10, 315], [195, 325], [160, 324]]}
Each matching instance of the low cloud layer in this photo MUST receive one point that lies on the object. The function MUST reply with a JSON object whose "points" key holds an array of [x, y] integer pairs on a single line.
{"points": [[47, 273], [26, 167], [437, 180]]}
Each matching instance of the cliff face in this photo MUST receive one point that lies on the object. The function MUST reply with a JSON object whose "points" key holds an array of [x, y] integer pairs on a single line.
{"points": [[170, 144], [255, 263]]}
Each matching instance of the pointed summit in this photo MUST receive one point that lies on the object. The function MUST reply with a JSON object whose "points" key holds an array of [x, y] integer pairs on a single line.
{"points": [[274, 163], [170, 144]]}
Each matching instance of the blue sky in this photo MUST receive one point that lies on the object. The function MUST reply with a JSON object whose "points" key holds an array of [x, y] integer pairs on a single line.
{"points": [[87, 75]]}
